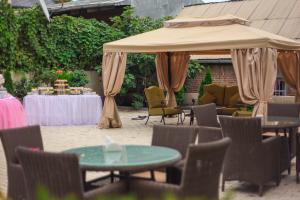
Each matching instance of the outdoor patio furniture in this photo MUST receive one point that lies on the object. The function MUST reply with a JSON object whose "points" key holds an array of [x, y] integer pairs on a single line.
{"points": [[157, 106], [129, 160], [209, 134], [206, 115], [249, 157], [11, 138], [297, 156], [205, 134], [173, 137], [60, 174], [200, 177], [288, 144], [226, 97]]}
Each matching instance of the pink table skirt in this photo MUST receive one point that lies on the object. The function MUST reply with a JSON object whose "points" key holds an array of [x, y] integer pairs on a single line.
{"points": [[12, 114]]}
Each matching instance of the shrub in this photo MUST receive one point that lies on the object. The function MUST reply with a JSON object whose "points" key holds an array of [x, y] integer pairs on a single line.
{"points": [[78, 78], [8, 84], [206, 80], [137, 101], [22, 88]]}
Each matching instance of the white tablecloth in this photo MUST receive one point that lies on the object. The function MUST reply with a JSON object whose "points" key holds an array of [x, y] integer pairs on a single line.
{"points": [[47, 110]]}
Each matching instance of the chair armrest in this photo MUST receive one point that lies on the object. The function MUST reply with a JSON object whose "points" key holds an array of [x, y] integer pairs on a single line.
{"points": [[150, 188], [113, 189], [271, 157]]}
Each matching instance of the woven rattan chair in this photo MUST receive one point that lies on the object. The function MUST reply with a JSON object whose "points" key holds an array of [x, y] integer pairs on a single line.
{"points": [[60, 174], [206, 115], [298, 156], [11, 138], [250, 158], [205, 134], [285, 110], [175, 137], [209, 134], [200, 177]]}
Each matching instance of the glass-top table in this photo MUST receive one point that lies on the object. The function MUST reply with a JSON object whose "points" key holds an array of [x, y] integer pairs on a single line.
{"points": [[131, 158], [275, 122]]}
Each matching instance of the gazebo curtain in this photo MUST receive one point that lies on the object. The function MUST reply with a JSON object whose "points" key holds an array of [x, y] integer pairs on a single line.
{"points": [[256, 71], [289, 65], [171, 78], [113, 71]]}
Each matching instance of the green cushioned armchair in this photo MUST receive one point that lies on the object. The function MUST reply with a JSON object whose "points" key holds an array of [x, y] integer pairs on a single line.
{"points": [[156, 104], [227, 98]]}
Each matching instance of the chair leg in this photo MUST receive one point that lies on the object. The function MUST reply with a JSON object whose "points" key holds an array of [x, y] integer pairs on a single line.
{"points": [[181, 119], [152, 175], [147, 120], [297, 175], [112, 176], [261, 188], [163, 119]]}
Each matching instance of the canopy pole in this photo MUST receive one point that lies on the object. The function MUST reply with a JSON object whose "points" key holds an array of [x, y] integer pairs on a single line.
{"points": [[169, 67]]}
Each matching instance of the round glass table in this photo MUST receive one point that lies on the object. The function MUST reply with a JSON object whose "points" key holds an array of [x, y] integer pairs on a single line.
{"points": [[131, 158], [276, 122]]}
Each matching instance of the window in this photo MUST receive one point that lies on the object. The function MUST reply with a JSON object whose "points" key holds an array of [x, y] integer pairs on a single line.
{"points": [[280, 87]]}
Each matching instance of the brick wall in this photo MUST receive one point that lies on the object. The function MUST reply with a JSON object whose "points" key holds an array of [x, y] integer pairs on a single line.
{"points": [[221, 74]]}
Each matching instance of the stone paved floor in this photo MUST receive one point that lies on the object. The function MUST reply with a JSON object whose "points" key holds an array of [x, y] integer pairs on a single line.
{"points": [[135, 132]]}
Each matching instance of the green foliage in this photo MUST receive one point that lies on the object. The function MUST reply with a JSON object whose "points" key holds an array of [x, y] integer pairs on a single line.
{"points": [[8, 84], [206, 80], [22, 88], [78, 78], [8, 36], [137, 101], [180, 96]]}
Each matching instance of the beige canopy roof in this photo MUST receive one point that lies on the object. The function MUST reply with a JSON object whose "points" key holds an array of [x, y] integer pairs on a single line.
{"points": [[201, 36]]}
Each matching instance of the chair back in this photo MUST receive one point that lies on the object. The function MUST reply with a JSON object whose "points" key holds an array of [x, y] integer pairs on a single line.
{"points": [[176, 137], [283, 110], [26, 136], [209, 134], [206, 115], [155, 96], [58, 172], [201, 173]]}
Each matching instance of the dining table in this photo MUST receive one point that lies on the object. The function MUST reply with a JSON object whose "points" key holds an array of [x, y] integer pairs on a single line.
{"points": [[130, 159]]}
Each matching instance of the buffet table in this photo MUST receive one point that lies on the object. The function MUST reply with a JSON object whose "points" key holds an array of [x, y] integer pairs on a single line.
{"points": [[12, 114], [55, 110]]}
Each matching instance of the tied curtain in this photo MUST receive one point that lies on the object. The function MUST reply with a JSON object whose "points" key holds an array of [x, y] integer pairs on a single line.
{"points": [[289, 65], [113, 71], [256, 71], [171, 78]]}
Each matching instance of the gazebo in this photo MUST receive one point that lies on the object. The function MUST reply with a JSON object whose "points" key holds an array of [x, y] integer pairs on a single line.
{"points": [[255, 55]]}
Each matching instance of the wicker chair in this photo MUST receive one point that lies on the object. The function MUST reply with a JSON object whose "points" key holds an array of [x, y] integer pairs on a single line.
{"points": [[298, 156], [206, 115], [60, 174], [200, 177], [175, 137], [250, 158], [285, 110], [209, 134], [205, 134], [12, 138]]}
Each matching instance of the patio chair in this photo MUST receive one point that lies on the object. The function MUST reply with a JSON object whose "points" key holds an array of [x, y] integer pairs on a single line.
{"points": [[156, 105], [249, 157], [60, 174], [11, 138], [298, 156], [205, 134], [200, 176], [285, 110], [175, 137], [206, 115]]}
